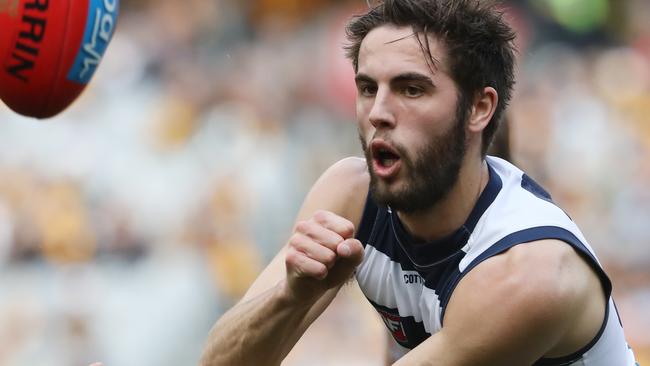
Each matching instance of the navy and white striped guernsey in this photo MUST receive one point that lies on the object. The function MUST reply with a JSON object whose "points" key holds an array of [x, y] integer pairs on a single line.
{"points": [[410, 283]]}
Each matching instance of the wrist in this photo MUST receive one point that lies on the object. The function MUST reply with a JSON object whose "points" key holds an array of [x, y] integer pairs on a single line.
{"points": [[292, 297]]}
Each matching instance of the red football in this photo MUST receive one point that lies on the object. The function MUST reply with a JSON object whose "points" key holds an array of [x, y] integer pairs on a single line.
{"points": [[49, 50]]}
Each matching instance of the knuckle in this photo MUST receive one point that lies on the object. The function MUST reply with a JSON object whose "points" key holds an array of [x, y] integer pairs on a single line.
{"points": [[348, 227], [302, 226], [291, 257], [345, 229], [294, 263], [320, 216], [329, 258], [321, 271], [294, 240], [336, 240]]}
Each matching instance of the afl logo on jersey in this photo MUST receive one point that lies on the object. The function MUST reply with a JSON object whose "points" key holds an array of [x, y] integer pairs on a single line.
{"points": [[394, 324]]}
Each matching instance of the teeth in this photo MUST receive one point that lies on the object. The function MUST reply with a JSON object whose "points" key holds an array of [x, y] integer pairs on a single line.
{"points": [[387, 162], [386, 158]]}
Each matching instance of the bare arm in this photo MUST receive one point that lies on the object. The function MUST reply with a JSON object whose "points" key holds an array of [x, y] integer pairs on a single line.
{"points": [[256, 330], [530, 302], [302, 279]]}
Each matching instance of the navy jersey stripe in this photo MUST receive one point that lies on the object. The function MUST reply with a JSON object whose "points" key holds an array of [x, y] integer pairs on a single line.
{"points": [[486, 198], [538, 191], [383, 239], [368, 220], [525, 236], [436, 278], [533, 187], [569, 359]]}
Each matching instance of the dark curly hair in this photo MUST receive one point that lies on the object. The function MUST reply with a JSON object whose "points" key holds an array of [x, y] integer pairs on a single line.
{"points": [[479, 43]]}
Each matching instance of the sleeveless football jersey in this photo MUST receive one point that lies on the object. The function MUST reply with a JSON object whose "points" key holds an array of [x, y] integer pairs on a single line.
{"points": [[410, 283]]}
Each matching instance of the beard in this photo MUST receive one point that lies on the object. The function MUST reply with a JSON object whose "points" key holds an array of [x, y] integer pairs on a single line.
{"points": [[429, 177]]}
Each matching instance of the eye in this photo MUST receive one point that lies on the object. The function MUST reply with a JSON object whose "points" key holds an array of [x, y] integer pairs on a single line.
{"points": [[412, 91], [367, 90]]}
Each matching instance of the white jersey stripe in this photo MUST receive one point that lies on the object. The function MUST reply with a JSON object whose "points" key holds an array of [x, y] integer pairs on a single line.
{"points": [[385, 282]]}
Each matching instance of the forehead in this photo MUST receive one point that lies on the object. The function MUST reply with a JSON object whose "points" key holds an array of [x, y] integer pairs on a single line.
{"points": [[397, 47]]}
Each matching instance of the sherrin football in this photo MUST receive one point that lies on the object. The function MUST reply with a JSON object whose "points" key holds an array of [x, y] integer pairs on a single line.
{"points": [[49, 51]]}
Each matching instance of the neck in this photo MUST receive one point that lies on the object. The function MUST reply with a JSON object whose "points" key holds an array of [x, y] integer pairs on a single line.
{"points": [[452, 211]]}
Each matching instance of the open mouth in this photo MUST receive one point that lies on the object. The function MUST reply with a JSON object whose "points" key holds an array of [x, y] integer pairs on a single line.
{"points": [[385, 159]]}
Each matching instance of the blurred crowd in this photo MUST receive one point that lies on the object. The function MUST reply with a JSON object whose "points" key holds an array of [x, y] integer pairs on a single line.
{"points": [[130, 222]]}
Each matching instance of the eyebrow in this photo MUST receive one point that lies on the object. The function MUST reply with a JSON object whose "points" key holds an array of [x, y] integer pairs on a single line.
{"points": [[413, 76], [363, 78], [400, 78]]}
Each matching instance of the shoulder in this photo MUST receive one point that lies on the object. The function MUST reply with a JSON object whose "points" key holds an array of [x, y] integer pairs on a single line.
{"points": [[545, 275], [342, 189], [535, 290], [351, 170], [549, 270]]}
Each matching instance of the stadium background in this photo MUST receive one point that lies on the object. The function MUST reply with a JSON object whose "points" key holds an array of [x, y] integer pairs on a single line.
{"points": [[129, 223]]}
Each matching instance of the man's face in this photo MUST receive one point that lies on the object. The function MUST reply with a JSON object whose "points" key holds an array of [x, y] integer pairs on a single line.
{"points": [[411, 131]]}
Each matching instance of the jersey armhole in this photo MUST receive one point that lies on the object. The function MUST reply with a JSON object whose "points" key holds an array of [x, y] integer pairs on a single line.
{"points": [[521, 237], [526, 236], [368, 219]]}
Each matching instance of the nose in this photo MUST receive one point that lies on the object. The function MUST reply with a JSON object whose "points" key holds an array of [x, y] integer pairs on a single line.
{"points": [[381, 114]]}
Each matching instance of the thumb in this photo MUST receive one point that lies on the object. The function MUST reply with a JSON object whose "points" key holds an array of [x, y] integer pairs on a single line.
{"points": [[350, 255], [351, 250]]}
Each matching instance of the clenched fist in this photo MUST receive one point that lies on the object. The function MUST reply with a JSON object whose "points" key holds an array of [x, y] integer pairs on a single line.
{"points": [[322, 254]]}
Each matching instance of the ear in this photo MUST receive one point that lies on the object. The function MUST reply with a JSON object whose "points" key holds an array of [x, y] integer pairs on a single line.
{"points": [[485, 103]]}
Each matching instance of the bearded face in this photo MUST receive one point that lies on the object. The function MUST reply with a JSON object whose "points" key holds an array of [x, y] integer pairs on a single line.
{"points": [[411, 118], [429, 175]]}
